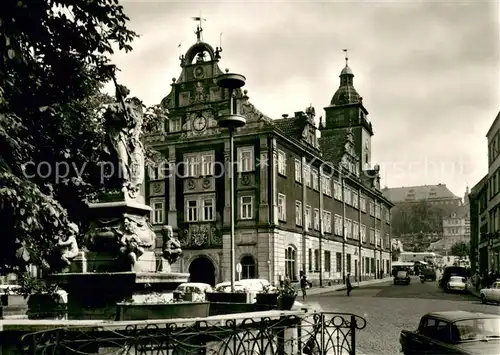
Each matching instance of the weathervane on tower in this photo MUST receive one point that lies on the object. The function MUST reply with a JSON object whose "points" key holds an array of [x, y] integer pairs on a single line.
{"points": [[346, 57]]}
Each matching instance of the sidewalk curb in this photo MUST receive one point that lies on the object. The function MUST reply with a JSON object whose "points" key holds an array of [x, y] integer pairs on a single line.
{"points": [[342, 287]]}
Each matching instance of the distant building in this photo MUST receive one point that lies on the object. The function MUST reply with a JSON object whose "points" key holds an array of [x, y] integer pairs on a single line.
{"points": [[456, 229], [486, 206], [437, 195]]}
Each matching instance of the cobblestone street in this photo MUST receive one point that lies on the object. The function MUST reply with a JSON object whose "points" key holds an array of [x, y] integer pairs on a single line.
{"points": [[388, 309]]}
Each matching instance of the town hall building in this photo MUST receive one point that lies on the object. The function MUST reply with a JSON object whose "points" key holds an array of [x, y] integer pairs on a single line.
{"points": [[307, 198]]}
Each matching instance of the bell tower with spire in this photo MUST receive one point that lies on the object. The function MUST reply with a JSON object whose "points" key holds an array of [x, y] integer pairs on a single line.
{"points": [[346, 112]]}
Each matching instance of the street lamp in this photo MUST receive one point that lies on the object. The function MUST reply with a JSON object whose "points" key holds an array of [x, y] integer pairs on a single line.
{"points": [[231, 81]]}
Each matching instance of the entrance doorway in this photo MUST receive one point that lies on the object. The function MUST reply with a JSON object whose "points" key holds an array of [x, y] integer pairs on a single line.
{"points": [[202, 270], [248, 267]]}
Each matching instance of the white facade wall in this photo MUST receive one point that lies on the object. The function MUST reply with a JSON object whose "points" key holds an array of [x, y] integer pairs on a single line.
{"points": [[283, 239], [268, 250]]}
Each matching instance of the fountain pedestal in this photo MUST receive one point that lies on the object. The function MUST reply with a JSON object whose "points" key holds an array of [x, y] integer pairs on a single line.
{"points": [[119, 264]]}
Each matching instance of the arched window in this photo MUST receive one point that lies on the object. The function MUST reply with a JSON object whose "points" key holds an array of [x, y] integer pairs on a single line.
{"points": [[291, 263], [248, 267]]}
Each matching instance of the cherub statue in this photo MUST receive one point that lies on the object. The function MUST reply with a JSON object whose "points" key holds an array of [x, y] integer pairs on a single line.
{"points": [[67, 248], [130, 242], [171, 245]]}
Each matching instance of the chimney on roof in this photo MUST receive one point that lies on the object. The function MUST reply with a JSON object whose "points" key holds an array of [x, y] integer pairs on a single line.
{"points": [[285, 115]]}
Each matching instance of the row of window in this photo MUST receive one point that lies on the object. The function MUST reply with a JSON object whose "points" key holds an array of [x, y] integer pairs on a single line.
{"points": [[203, 164], [452, 230], [350, 229], [349, 196], [453, 221], [201, 208], [368, 265]]}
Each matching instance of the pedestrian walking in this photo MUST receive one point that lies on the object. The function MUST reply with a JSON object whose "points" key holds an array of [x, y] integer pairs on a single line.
{"points": [[303, 286], [348, 284]]}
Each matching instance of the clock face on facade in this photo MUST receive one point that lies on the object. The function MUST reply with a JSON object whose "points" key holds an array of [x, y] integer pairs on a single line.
{"points": [[198, 72], [199, 123]]}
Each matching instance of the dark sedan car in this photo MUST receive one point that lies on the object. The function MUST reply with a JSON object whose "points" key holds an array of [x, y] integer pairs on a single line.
{"points": [[402, 278], [429, 274], [453, 332]]}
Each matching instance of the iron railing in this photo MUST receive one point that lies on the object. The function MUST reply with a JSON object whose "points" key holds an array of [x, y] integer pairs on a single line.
{"points": [[306, 333]]}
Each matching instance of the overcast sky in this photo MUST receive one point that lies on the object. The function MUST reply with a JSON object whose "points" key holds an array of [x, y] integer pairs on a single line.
{"points": [[428, 71]]}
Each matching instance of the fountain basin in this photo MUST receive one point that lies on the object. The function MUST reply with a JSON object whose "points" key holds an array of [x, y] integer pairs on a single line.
{"points": [[141, 311], [96, 295]]}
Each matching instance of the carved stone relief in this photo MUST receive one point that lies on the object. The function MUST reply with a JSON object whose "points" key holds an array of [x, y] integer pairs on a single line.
{"points": [[201, 235], [157, 188]]}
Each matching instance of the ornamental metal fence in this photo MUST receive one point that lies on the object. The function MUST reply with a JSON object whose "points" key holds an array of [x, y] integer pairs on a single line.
{"points": [[319, 333]]}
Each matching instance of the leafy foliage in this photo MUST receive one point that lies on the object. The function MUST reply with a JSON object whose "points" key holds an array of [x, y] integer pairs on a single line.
{"points": [[54, 56], [460, 249], [33, 285], [286, 289], [419, 217]]}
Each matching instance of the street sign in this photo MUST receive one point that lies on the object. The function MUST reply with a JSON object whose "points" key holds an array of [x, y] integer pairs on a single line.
{"points": [[238, 268]]}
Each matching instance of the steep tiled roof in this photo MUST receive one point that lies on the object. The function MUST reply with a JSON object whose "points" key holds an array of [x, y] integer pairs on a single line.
{"points": [[418, 193], [291, 127], [333, 145]]}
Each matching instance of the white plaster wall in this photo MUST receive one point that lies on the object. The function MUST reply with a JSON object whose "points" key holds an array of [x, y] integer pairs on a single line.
{"points": [[386, 257], [327, 245], [349, 249], [336, 247], [282, 239], [366, 253], [246, 243], [264, 255]]}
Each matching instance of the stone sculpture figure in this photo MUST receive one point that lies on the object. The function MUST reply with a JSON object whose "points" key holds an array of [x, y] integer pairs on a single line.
{"points": [[123, 122], [130, 242], [171, 245], [67, 249]]}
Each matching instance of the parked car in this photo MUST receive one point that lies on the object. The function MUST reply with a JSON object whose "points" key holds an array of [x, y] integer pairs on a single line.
{"points": [[251, 286], [456, 284], [449, 272], [429, 274], [402, 278], [453, 332], [491, 294], [198, 290]]}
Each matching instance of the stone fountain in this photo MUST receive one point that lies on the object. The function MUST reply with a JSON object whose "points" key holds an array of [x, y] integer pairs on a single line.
{"points": [[117, 262]]}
